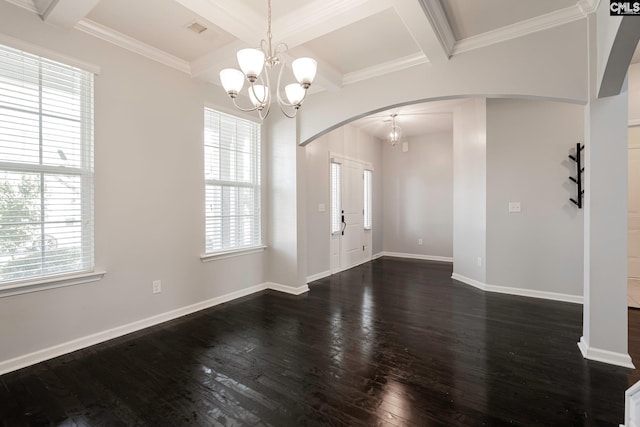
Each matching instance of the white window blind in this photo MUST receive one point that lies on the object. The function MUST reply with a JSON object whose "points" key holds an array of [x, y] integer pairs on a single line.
{"points": [[46, 167], [367, 200], [232, 182], [336, 183]]}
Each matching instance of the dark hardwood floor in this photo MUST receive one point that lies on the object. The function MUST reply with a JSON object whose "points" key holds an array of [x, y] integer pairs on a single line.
{"points": [[393, 342]]}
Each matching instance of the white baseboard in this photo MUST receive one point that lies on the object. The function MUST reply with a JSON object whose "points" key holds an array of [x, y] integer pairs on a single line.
{"points": [[93, 339], [416, 256], [605, 356], [340, 270], [468, 281], [287, 289], [318, 276], [554, 296], [378, 255]]}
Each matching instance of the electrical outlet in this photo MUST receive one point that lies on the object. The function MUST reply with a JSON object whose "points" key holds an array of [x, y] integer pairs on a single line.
{"points": [[514, 207], [479, 261], [321, 207], [419, 241], [157, 286]]}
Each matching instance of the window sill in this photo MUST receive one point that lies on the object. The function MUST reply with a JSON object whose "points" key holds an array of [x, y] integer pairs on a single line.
{"points": [[230, 254], [52, 282]]}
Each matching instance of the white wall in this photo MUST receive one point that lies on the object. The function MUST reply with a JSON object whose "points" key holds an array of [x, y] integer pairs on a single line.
{"points": [[469, 190], [418, 196], [149, 199], [348, 141], [540, 249]]}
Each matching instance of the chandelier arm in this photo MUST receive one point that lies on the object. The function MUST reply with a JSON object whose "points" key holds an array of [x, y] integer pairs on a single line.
{"points": [[284, 111], [266, 107], [264, 47], [281, 101], [283, 46], [246, 110]]}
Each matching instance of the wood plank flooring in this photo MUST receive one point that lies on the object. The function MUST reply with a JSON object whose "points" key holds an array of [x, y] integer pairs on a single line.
{"points": [[392, 343]]}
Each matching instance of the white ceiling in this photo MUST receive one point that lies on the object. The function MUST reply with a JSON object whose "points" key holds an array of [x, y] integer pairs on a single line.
{"points": [[162, 24], [471, 18], [348, 50], [352, 40]]}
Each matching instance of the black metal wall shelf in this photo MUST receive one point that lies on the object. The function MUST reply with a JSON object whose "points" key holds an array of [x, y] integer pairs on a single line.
{"points": [[579, 171]]}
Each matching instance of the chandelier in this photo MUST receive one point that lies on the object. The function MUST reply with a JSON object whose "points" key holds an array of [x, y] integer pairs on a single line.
{"points": [[396, 132], [253, 62]]}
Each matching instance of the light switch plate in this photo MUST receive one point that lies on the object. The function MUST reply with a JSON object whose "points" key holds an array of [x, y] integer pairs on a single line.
{"points": [[514, 207]]}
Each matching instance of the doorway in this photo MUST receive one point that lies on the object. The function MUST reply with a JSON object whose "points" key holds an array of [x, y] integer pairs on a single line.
{"points": [[351, 238]]}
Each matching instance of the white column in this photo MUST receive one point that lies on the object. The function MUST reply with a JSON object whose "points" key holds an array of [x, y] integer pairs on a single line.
{"points": [[286, 213], [605, 232]]}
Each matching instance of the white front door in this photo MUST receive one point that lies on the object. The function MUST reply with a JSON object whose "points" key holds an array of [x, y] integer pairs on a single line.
{"points": [[352, 236], [350, 245], [634, 210]]}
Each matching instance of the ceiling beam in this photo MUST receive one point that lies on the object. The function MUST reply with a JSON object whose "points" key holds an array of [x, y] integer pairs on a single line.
{"points": [[43, 5], [64, 13], [428, 24]]}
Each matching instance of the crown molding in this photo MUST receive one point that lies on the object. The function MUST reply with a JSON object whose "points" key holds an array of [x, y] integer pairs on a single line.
{"points": [[112, 36], [121, 40], [529, 26], [440, 23], [587, 6], [385, 68], [25, 4]]}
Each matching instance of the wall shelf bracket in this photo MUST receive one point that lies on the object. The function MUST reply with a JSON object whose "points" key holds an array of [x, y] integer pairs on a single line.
{"points": [[578, 178]]}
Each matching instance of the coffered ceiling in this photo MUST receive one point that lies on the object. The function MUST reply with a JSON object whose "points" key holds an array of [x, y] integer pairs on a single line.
{"points": [[352, 40]]}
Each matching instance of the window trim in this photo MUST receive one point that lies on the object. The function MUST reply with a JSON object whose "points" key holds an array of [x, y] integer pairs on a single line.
{"points": [[51, 282], [213, 256]]}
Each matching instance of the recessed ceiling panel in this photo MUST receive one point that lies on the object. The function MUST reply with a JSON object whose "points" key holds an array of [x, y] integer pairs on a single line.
{"points": [[377, 39], [279, 8], [162, 24], [471, 17]]}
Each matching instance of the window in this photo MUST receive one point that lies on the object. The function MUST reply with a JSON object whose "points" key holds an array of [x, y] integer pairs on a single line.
{"points": [[46, 167], [367, 200], [336, 217], [232, 182]]}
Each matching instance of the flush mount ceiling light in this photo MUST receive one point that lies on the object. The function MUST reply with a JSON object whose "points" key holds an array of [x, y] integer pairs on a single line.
{"points": [[255, 65], [396, 132]]}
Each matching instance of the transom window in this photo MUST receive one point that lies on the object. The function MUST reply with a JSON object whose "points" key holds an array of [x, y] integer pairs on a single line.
{"points": [[232, 182], [46, 167]]}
